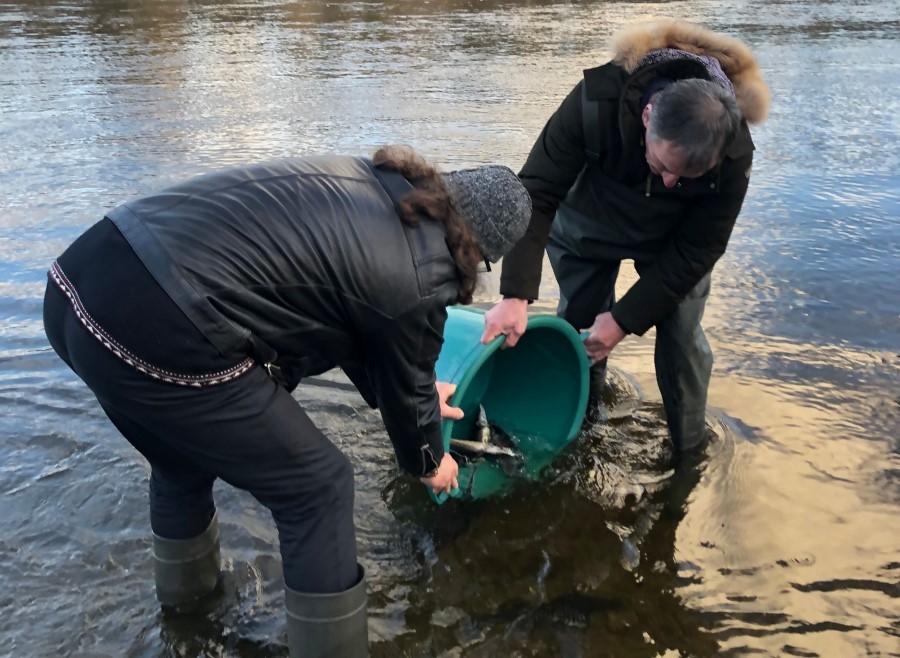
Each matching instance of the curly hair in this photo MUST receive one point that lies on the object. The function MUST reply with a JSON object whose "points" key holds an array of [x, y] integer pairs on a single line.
{"points": [[431, 199]]}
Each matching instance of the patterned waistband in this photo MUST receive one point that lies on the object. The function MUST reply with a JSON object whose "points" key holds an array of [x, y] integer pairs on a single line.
{"points": [[57, 275]]}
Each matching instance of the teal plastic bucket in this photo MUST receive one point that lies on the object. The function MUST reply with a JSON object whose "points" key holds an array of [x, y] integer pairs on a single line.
{"points": [[536, 391]]}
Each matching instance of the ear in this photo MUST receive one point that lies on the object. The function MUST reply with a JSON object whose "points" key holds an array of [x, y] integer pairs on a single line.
{"points": [[645, 115]]}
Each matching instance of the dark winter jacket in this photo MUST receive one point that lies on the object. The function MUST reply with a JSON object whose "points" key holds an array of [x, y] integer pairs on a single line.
{"points": [[306, 264], [604, 197]]}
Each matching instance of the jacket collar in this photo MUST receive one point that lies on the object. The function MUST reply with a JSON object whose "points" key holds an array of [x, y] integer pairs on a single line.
{"points": [[633, 43]]}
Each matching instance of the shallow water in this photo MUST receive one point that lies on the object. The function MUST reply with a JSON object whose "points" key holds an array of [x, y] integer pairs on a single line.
{"points": [[783, 542]]}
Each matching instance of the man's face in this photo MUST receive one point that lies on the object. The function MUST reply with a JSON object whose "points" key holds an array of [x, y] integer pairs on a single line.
{"points": [[666, 160]]}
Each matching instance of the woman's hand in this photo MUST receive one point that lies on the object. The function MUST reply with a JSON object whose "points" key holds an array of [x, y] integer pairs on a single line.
{"points": [[445, 390], [445, 478]]}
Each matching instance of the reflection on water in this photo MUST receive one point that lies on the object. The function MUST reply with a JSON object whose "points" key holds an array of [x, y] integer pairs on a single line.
{"points": [[781, 541]]}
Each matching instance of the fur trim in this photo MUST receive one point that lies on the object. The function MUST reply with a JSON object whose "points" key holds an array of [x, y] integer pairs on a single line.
{"points": [[631, 44]]}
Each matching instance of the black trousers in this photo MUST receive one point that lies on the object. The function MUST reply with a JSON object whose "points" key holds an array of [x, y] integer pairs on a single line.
{"points": [[248, 431]]}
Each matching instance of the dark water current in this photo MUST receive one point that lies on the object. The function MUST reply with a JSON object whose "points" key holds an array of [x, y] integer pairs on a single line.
{"points": [[784, 542]]}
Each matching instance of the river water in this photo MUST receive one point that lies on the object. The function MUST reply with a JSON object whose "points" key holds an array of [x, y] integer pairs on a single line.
{"points": [[784, 541]]}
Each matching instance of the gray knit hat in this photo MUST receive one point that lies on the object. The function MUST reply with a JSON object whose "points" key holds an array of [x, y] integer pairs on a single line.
{"points": [[494, 202]]}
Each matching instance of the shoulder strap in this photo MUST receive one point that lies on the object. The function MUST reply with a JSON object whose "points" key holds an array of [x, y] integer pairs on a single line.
{"points": [[601, 89], [590, 121]]}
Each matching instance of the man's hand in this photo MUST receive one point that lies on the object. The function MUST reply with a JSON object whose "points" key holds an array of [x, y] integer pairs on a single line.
{"points": [[506, 317], [445, 478], [605, 335], [444, 391]]}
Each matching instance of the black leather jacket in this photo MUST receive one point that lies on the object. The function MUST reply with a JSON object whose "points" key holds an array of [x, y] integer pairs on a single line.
{"points": [[305, 263]]}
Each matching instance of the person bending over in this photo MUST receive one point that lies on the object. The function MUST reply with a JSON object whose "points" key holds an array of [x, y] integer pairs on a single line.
{"points": [[648, 158], [192, 314]]}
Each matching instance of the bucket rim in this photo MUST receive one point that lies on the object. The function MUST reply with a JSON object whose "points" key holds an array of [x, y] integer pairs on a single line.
{"points": [[538, 321]]}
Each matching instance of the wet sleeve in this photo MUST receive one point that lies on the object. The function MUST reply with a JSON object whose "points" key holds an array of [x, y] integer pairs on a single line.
{"points": [[691, 253], [554, 163], [400, 366]]}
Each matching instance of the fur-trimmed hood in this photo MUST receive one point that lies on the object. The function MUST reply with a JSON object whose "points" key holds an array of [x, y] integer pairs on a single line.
{"points": [[633, 43]]}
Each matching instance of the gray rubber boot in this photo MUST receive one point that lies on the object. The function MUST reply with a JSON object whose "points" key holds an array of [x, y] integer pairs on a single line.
{"points": [[328, 625], [186, 569]]}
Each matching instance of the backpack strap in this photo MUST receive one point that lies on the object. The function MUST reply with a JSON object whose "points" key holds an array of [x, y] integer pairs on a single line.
{"points": [[600, 91], [590, 121]]}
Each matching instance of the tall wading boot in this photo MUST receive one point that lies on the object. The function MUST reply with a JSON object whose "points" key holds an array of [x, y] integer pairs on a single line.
{"points": [[328, 625], [597, 379], [684, 363], [186, 569]]}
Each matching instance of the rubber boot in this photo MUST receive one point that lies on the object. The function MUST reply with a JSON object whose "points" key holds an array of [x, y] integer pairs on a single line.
{"points": [[597, 378], [186, 569], [328, 625]]}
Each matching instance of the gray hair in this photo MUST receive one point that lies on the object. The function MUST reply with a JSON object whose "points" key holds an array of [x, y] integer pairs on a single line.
{"points": [[699, 116]]}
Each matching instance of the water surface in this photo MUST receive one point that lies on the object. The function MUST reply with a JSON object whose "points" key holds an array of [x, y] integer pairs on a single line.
{"points": [[782, 542]]}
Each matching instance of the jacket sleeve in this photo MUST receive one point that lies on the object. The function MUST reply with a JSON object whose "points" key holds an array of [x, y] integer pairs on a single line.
{"points": [[691, 253], [360, 379], [400, 366], [554, 163]]}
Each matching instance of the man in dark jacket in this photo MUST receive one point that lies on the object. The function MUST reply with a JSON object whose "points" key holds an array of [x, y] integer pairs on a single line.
{"points": [[193, 312], [647, 159]]}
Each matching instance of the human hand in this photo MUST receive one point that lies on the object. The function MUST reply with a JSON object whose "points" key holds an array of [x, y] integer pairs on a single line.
{"points": [[605, 334], [445, 480], [444, 391], [509, 317]]}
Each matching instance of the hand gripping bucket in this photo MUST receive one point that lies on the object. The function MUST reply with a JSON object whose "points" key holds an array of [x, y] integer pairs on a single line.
{"points": [[536, 391]]}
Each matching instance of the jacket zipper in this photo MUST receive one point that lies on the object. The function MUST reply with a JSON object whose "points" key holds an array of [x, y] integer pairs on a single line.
{"points": [[433, 471]]}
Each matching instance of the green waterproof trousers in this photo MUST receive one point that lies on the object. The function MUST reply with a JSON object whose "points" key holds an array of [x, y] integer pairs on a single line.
{"points": [[683, 358]]}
